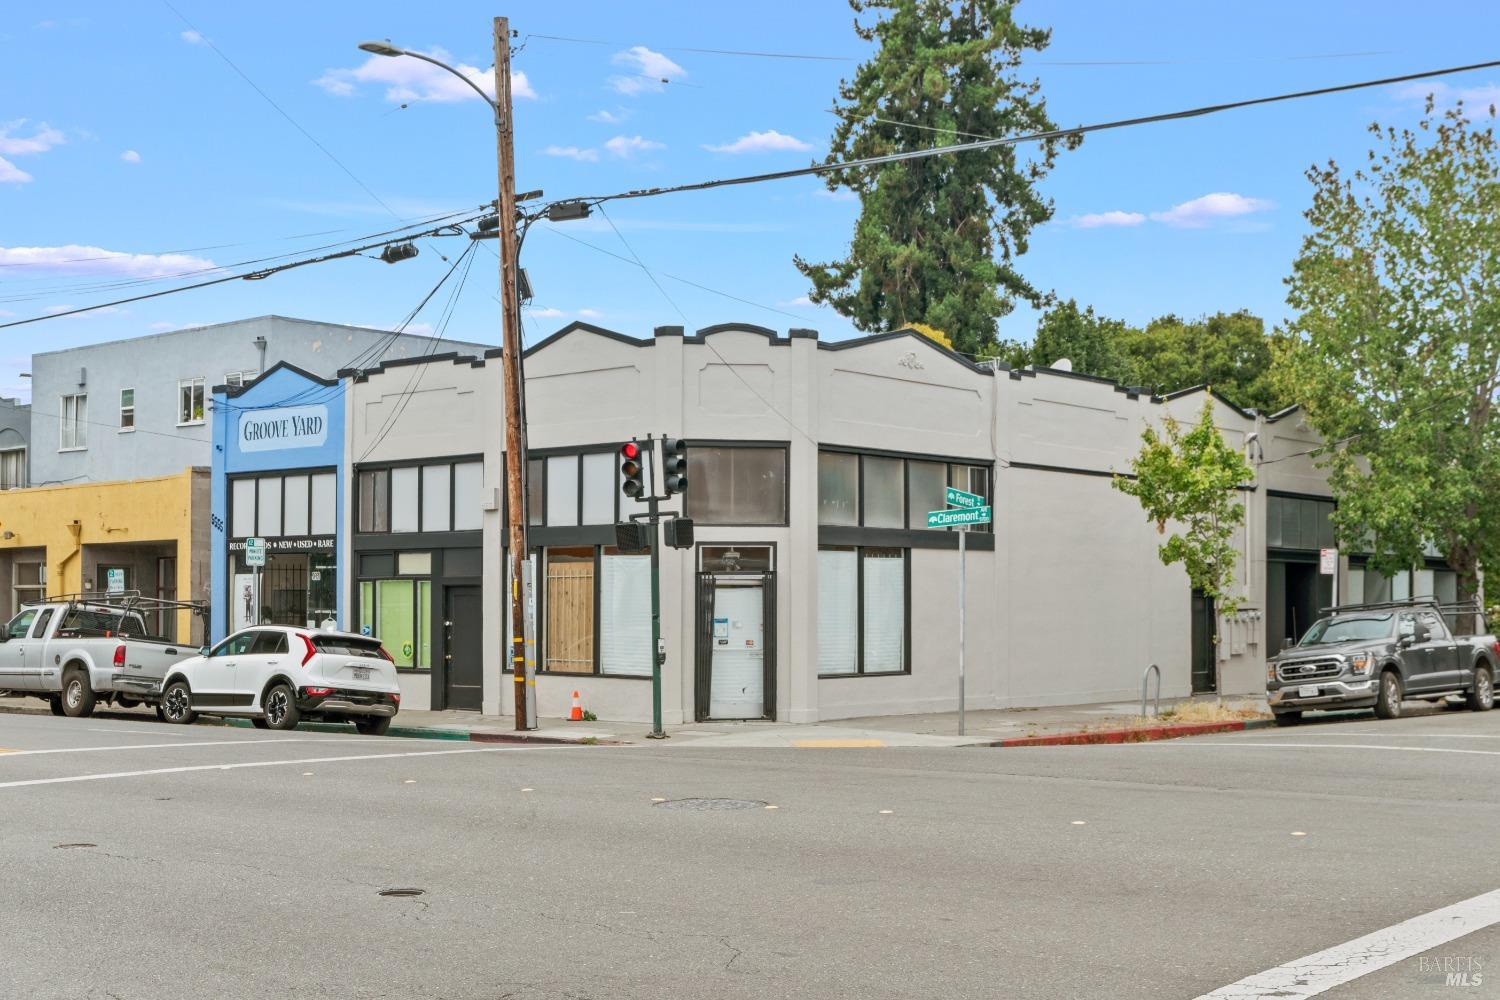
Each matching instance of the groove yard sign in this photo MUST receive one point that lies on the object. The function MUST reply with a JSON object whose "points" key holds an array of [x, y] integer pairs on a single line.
{"points": [[283, 427], [970, 509]]}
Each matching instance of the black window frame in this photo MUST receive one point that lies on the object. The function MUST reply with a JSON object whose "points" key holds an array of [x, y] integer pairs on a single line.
{"points": [[375, 469], [541, 612], [310, 472], [785, 447], [536, 458], [859, 611], [981, 537]]}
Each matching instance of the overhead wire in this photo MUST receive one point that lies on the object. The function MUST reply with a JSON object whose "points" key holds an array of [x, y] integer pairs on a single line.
{"points": [[1050, 134]]}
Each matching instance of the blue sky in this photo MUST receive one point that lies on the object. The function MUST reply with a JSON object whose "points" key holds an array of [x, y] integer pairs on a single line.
{"points": [[124, 134]]}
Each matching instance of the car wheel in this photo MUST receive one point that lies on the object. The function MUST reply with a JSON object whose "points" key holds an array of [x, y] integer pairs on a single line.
{"points": [[1388, 704], [1288, 718], [260, 724], [177, 704], [281, 708], [373, 726], [55, 703], [77, 694], [1482, 695]]}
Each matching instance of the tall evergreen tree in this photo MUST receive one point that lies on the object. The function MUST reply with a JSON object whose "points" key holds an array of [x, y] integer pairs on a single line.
{"points": [[937, 238]]}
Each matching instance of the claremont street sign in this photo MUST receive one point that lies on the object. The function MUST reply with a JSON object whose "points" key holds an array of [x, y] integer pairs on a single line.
{"points": [[954, 518]]}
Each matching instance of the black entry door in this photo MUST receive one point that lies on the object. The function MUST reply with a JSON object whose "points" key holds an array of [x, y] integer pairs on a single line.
{"points": [[463, 628], [1203, 643]]}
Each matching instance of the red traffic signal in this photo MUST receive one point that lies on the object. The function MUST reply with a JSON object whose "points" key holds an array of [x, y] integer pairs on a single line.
{"points": [[631, 482]]}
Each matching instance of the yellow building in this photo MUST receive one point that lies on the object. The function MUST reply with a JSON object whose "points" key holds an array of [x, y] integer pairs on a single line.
{"points": [[146, 535]]}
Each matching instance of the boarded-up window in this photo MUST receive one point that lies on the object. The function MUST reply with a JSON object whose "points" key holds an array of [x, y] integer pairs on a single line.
{"points": [[569, 603]]}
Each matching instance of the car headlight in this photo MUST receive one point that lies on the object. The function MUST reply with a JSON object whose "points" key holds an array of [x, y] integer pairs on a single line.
{"points": [[1270, 671], [1360, 663]]}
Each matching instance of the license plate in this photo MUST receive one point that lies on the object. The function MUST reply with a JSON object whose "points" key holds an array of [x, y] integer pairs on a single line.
{"points": [[363, 674], [1307, 691]]}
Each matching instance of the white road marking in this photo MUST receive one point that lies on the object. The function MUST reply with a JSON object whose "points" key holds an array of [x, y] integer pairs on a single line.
{"points": [[271, 763], [1322, 971], [1174, 745]]}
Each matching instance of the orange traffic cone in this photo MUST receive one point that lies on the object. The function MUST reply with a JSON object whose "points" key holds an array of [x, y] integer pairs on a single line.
{"points": [[576, 715]]}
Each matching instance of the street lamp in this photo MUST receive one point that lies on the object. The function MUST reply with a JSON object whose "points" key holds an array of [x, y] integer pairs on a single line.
{"points": [[505, 211]]}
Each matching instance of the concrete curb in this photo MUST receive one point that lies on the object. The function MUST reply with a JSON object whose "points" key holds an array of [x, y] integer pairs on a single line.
{"points": [[1147, 734], [448, 733]]}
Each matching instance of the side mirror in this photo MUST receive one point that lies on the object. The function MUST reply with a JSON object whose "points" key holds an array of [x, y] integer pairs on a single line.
{"points": [[202, 650], [1290, 642], [1421, 634]]}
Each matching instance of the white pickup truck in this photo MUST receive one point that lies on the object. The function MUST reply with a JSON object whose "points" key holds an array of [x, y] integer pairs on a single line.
{"points": [[77, 652]]}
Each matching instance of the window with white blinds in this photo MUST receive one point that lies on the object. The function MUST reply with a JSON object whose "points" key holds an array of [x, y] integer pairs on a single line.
{"points": [[291, 506], [838, 612], [862, 611], [625, 615]]}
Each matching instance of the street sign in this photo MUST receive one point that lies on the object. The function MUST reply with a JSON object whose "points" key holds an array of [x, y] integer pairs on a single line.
{"points": [[115, 580], [954, 518], [255, 552], [1328, 561], [958, 498]]}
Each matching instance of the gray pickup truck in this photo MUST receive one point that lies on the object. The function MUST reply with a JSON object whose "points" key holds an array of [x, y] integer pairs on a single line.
{"points": [[1377, 655], [79, 650]]}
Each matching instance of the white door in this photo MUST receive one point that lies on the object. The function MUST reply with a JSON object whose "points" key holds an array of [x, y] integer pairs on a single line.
{"points": [[738, 686]]}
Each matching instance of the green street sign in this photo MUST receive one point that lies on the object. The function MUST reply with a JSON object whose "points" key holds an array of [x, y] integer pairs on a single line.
{"points": [[952, 518], [958, 498]]}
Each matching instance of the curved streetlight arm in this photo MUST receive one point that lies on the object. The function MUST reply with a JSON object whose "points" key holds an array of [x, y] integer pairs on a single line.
{"points": [[391, 50]]}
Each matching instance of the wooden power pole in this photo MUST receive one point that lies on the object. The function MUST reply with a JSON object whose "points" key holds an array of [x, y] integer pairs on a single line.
{"points": [[515, 436]]}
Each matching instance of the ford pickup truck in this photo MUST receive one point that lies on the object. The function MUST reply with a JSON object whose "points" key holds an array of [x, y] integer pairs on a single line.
{"points": [[77, 653], [1378, 655]]}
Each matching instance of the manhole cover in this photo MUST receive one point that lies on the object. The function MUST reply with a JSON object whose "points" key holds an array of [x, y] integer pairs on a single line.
{"points": [[68, 847], [402, 892], [711, 805]]}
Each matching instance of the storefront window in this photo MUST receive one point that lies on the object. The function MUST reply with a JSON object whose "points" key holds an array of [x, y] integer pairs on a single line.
{"points": [[569, 601], [395, 613]]}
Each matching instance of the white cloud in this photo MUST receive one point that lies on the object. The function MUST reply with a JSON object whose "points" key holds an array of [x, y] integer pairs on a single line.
{"points": [[590, 313], [649, 71], [839, 194], [130, 156], [801, 300], [88, 261], [573, 153], [626, 146], [1102, 220], [546, 313], [43, 138], [66, 307], [769, 141], [610, 117], [407, 79], [1210, 208], [12, 174], [1443, 94], [192, 37]]}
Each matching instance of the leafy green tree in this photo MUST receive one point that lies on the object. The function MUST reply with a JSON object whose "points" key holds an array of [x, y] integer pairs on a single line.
{"points": [[1397, 292], [937, 238], [1092, 343], [1187, 480], [1230, 351]]}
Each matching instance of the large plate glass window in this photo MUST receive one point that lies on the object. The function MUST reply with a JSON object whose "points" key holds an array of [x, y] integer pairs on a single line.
{"points": [[624, 613], [863, 611]]}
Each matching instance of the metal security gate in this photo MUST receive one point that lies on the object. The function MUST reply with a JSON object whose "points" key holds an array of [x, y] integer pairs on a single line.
{"points": [[709, 585]]}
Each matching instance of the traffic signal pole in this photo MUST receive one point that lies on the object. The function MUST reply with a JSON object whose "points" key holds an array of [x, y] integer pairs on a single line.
{"points": [[657, 733]]}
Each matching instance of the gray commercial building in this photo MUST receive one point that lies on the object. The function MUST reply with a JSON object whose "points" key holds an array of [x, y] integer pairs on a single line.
{"points": [[139, 407]]}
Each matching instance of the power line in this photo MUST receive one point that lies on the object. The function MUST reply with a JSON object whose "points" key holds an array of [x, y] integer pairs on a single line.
{"points": [[252, 275], [919, 154]]}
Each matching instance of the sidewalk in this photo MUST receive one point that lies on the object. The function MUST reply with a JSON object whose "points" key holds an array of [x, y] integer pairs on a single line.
{"points": [[990, 727]]}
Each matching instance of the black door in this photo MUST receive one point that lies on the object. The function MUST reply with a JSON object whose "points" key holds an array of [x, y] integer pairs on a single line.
{"points": [[463, 646], [1203, 643]]}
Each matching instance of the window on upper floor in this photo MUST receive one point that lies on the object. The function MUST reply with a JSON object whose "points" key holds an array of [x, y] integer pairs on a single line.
{"points": [[189, 401], [127, 409], [572, 490], [73, 422], [879, 491], [236, 380], [436, 496], [12, 468], [737, 484]]}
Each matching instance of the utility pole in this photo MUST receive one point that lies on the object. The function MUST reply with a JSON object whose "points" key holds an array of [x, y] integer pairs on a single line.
{"points": [[515, 435]]}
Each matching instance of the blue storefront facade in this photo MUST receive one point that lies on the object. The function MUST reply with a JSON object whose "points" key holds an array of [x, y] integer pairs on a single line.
{"points": [[278, 474]]}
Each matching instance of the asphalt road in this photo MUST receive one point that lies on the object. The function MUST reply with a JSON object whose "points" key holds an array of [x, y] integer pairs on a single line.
{"points": [[219, 862]]}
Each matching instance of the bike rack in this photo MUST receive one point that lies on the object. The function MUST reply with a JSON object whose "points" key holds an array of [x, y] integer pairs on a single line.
{"points": [[1156, 706]]}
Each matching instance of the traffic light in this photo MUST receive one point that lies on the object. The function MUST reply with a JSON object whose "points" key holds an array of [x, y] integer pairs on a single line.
{"points": [[631, 471], [674, 466], [678, 532]]}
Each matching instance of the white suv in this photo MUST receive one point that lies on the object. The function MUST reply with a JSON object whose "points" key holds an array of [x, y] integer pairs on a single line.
{"points": [[280, 676]]}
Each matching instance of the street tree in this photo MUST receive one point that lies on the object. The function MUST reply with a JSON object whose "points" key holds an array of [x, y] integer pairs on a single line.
{"points": [[937, 238], [1397, 363], [1230, 351], [1091, 342], [1187, 481]]}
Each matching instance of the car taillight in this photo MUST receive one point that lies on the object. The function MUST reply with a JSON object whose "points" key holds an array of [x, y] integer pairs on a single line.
{"points": [[318, 692], [396, 698], [387, 656], [120, 657], [308, 645], [1496, 647]]}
